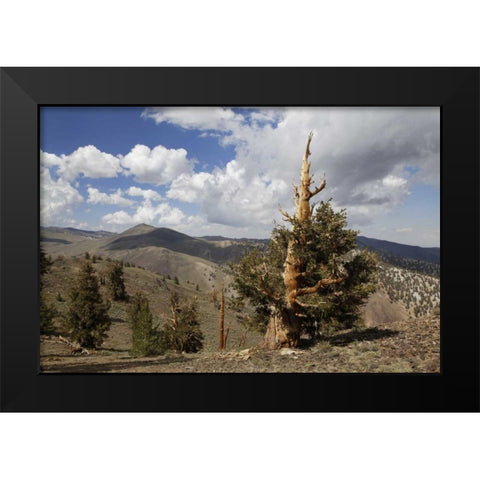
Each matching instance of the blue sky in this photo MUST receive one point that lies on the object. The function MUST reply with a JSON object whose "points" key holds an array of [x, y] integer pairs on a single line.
{"points": [[224, 171]]}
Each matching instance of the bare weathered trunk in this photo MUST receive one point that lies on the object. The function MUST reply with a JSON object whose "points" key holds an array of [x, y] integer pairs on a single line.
{"points": [[221, 336], [226, 338], [283, 329]]}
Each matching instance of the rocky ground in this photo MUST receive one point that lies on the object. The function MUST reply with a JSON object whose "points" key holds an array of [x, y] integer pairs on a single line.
{"points": [[406, 346]]}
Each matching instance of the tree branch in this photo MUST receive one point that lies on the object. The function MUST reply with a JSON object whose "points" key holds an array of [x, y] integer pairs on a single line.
{"points": [[307, 150], [311, 272], [320, 187], [320, 284], [287, 216], [296, 195], [263, 288], [306, 305]]}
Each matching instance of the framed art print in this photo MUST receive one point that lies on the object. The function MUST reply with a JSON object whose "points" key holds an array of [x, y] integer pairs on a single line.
{"points": [[239, 239]]}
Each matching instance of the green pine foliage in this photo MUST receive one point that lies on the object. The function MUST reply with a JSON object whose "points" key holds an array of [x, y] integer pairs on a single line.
{"points": [[47, 314], [181, 332], [47, 311], [87, 319], [116, 283], [146, 339], [326, 249]]}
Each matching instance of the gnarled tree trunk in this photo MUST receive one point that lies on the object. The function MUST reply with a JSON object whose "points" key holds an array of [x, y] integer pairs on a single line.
{"points": [[283, 329]]}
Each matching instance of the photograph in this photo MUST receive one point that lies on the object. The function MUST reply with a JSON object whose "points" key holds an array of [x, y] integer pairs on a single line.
{"points": [[234, 239]]}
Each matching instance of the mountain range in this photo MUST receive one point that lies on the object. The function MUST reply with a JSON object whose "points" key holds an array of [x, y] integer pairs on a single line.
{"points": [[216, 249], [409, 283]]}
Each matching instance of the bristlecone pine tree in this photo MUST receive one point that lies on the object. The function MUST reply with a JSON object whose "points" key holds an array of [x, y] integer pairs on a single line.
{"points": [[116, 283], [311, 277], [145, 337], [87, 317]]}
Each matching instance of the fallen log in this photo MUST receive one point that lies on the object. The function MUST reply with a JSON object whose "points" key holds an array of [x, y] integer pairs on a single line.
{"points": [[75, 346]]}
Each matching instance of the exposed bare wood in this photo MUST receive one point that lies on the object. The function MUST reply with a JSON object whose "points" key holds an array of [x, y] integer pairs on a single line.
{"points": [[308, 305], [287, 216], [226, 337], [319, 188], [221, 336], [296, 195], [309, 273], [75, 346], [320, 284], [242, 341]]}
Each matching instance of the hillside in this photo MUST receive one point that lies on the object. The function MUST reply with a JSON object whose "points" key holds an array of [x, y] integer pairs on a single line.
{"points": [[218, 252], [409, 281], [157, 289], [404, 304], [420, 259], [391, 341], [419, 294]]}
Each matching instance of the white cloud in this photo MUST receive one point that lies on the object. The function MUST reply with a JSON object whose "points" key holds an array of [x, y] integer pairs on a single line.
{"points": [[159, 165], [371, 156], [146, 194], [370, 200], [232, 196], [404, 230], [88, 160], [56, 199], [116, 198], [363, 151], [197, 118], [118, 218], [158, 215]]}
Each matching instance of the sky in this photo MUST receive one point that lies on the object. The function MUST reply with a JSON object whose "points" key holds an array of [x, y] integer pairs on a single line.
{"points": [[226, 170]]}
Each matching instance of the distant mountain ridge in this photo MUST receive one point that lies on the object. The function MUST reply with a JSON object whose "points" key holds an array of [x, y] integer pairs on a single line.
{"points": [[425, 254], [179, 242], [216, 248]]}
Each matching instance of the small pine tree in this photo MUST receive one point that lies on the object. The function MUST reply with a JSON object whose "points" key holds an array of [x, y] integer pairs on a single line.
{"points": [[87, 318], [177, 282], [182, 332], [87, 256], [47, 311], [45, 263], [146, 339], [116, 283]]}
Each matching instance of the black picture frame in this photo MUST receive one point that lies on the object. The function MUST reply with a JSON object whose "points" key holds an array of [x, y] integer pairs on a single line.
{"points": [[455, 90]]}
